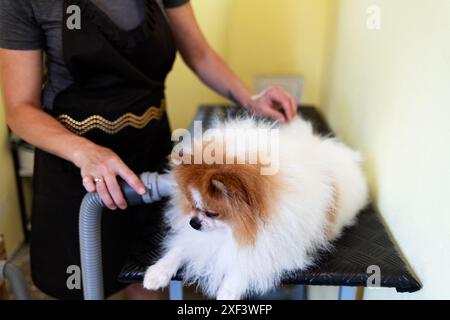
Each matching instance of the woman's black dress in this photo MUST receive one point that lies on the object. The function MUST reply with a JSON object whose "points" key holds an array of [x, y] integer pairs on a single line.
{"points": [[117, 101]]}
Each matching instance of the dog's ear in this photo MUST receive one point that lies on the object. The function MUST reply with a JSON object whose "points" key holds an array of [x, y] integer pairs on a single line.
{"points": [[229, 185], [219, 185]]}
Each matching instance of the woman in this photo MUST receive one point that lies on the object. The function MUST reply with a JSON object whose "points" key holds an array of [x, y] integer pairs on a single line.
{"points": [[101, 114]]}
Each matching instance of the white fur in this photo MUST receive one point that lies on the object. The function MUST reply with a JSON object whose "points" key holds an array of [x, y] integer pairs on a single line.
{"points": [[197, 197], [311, 169]]}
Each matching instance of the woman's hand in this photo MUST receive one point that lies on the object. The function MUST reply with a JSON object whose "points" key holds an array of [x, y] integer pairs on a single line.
{"points": [[99, 168], [274, 102]]}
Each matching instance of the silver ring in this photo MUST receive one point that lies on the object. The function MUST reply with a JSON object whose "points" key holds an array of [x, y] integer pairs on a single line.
{"points": [[98, 180]]}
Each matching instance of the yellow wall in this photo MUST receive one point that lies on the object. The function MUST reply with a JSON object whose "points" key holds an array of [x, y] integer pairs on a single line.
{"points": [[388, 95], [255, 37], [9, 205], [280, 37]]}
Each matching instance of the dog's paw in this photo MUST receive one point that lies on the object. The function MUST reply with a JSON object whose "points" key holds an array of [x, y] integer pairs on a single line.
{"points": [[156, 277]]}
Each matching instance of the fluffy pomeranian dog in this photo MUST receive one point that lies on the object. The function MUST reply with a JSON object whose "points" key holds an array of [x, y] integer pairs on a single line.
{"points": [[236, 232]]}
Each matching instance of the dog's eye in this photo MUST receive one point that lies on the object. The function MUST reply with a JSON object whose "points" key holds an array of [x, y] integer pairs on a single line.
{"points": [[210, 214]]}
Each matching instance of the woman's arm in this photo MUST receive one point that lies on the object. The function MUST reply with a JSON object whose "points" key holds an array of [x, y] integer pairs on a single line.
{"points": [[213, 71], [21, 78]]}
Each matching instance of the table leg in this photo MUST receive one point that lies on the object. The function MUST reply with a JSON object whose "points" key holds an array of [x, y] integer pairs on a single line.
{"points": [[347, 293], [175, 290]]}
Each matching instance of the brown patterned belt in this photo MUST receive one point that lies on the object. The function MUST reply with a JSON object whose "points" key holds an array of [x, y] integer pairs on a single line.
{"points": [[112, 127]]}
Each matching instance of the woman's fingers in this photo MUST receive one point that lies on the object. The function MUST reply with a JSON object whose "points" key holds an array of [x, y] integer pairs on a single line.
{"points": [[279, 97], [115, 191], [100, 170], [103, 192], [274, 114], [275, 103], [108, 188], [130, 177], [88, 183]]}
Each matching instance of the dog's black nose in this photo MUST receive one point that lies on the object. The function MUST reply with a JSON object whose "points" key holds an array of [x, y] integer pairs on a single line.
{"points": [[195, 223]]}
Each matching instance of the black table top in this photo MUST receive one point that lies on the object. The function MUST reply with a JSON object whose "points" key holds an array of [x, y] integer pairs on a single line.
{"points": [[365, 244]]}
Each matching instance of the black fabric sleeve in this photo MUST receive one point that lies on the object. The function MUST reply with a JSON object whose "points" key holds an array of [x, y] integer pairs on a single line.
{"points": [[174, 3], [18, 27]]}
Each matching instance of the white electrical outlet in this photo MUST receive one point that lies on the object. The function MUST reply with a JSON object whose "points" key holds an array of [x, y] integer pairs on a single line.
{"points": [[292, 84]]}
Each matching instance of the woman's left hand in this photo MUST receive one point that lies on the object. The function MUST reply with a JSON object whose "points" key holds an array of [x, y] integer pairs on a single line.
{"points": [[274, 102]]}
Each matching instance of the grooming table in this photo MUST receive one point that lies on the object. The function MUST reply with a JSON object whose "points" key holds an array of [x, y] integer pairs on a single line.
{"points": [[361, 246]]}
